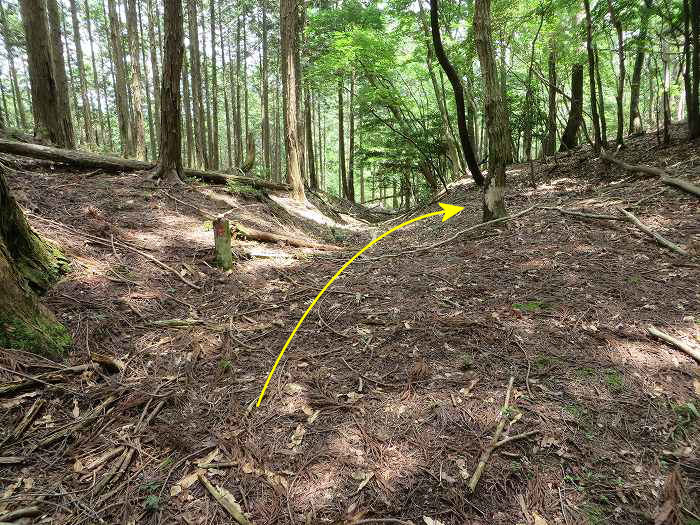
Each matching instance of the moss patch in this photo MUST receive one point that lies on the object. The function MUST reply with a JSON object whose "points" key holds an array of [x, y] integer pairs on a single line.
{"points": [[42, 336]]}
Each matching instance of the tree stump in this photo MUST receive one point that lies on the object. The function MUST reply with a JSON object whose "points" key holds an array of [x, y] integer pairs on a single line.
{"points": [[222, 244]]}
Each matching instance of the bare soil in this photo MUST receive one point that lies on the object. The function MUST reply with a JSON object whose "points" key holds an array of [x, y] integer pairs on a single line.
{"points": [[394, 385]]}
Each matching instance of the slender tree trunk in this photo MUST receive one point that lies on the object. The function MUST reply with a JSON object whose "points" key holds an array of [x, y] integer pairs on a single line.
{"points": [[196, 91], [155, 72], [50, 123], [264, 94], [496, 115], [152, 148], [225, 91], [619, 95], [170, 160], [137, 120], [591, 78], [351, 141], [289, 34], [601, 100], [121, 97], [214, 90], [313, 180], [666, 59], [189, 137], [237, 126], [20, 114], [245, 79], [569, 139], [72, 89], [635, 84], [87, 110], [550, 144], [54, 16], [99, 139], [452, 75], [209, 140], [529, 110], [342, 173]]}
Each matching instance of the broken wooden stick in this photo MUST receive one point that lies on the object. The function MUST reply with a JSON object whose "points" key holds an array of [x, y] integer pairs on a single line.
{"points": [[257, 235], [649, 170], [496, 440], [684, 347], [661, 240], [26, 420], [225, 499]]}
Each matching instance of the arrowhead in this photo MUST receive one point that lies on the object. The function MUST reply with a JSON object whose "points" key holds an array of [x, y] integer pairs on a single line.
{"points": [[450, 210]]}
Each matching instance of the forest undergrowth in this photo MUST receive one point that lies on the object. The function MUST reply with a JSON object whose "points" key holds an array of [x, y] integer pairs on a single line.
{"points": [[395, 385]]}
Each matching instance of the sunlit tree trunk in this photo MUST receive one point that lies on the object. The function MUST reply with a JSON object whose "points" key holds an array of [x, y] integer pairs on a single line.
{"points": [[151, 152], [550, 142], [63, 92], [289, 34], [215, 163], [265, 94], [635, 83], [529, 110], [197, 95], [155, 71], [226, 93], [619, 95], [342, 173], [351, 141], [591, 78], [237, 122], [101, 138], [189, 138], [20, 114], [666, 59], [496, 116], [87, 109], [121, 97]]}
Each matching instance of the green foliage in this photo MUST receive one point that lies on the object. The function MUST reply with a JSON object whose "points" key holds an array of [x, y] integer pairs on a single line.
{"points": [[41, 335], [530, 306]]}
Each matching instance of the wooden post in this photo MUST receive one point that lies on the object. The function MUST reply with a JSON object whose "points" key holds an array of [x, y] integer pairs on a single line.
{"points": [[222, 244]]}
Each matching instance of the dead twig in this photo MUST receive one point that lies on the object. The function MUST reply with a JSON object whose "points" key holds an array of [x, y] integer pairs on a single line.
{"points": [[661, 240], [225, 499], [684, 347]]}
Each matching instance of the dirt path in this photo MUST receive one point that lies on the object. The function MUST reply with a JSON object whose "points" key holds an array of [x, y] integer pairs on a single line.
{"points": [[394, 386]]}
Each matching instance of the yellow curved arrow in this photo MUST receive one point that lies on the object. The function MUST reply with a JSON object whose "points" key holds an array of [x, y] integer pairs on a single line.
{"points": [[448, 210]]}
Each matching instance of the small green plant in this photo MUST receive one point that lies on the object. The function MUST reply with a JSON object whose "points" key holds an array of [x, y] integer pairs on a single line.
{"points": [[594, 514], [152, 503], [225, 365], [584, 372], [237, 188], [530, 306], [687, 415], [614, 380], [635, 279], [338, 235], [208, 226], [467, 361]]}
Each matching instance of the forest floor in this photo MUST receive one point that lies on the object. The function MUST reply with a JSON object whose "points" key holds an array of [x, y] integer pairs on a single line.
{"points": [[394, 385]]}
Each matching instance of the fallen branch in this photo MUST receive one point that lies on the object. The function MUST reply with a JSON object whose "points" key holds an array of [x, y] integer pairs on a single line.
{"points": [[26, 420], [26, 512], [684, 347], [661, 240], [256, 235], [582, 215], [225, 499], [682, 184], [72, 429], [649, 170], [85, 160], [496, 440]]}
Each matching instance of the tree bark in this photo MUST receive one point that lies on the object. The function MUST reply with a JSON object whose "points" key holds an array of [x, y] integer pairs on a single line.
{"points": [[101, 138], [621, 75], [591, 78], [189, 137], [59, 64], [20, 114], [529, 110], [155, 71], [151, 148], [569, 139], [636, 125], [694, 124], [496, 116], [313, 179], [342, 173], [86, 110], [28, 266], [452, 75], [289, 34], [265, 95], [227, 109], [49, 123], [550, 143], [351, 141], [121, 97], [237, 126], [137, 121], [215, 163], [601, 101], [170, 159], [666, 97], [197, 94]]}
